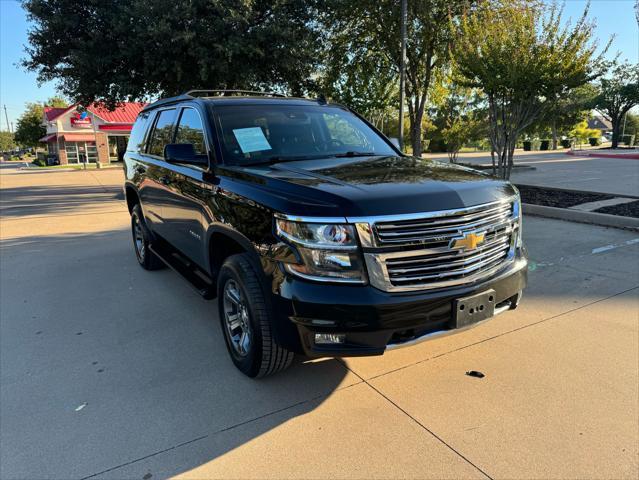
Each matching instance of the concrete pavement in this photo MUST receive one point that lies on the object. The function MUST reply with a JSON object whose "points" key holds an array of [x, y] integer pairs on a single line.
{"points": [[109, 371], [556, 169]]}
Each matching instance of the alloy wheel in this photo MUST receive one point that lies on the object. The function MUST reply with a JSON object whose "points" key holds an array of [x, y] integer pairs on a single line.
{"points": [[237, 318], [138, 238]]}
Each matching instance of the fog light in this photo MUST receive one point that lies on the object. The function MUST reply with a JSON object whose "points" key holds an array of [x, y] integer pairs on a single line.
{"points": [[329, 338]]}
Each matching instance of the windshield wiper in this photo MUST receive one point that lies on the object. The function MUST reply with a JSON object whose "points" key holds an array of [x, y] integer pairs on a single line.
{"points": [[354, 154]]}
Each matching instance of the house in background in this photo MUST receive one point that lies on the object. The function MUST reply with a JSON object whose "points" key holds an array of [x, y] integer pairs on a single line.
{"points": [[602, 124], [95, 134]]}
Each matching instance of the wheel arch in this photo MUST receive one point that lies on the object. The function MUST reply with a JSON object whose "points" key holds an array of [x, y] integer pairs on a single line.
{"points": [[223, 242], [132, 196]]}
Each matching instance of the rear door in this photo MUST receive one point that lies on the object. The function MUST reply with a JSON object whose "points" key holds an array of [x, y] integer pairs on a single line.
{"points": [[187, 190], [154, 190]]}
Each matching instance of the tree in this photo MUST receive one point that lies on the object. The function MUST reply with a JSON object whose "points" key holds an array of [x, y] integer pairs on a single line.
{"points": [[458, 113], [564, 112], [57, 102], [353, 74], [582, 133], [630, 125], [368, 30], [129, 49], [520, 55], [618, 93], [7, 141], [29, 128]]}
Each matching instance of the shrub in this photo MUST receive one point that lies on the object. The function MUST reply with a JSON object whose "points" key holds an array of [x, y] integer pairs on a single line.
{"points": [[530, 145], [628, 140], [437, 145], [40, 162]]}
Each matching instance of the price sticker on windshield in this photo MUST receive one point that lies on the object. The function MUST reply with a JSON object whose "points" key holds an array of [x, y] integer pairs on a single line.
{"points": [[251, 139]]}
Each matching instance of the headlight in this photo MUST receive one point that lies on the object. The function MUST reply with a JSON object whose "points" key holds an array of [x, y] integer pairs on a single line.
{"points": [[328, 252], [517, 217]]}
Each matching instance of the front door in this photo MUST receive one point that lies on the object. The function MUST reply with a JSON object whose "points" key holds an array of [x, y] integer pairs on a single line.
{"points": [[183, 209]]}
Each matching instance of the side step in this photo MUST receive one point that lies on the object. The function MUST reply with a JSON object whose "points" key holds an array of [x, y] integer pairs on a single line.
{"points": [[197, 278]]}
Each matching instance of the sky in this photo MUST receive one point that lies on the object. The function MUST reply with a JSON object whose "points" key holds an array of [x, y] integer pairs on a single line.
{"points": [[613, 17]]}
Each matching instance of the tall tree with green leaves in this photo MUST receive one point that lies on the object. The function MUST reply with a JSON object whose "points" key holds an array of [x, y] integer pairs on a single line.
{"points": [[459, 114], [7, 142], [56, 101], [523, 56], [29, 128], [564, 112], [366, 32], [122, 50], [618, 94]]}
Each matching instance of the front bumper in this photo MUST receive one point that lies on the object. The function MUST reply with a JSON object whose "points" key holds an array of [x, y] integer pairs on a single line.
{"points": [[374, 321]]}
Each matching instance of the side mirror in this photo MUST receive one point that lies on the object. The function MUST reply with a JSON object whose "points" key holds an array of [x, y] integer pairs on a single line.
{"points": [[395, 141], [183, 153]]}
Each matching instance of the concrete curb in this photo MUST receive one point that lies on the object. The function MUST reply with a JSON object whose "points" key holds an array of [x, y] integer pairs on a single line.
{"points": [[630, 156], [593, 218]]}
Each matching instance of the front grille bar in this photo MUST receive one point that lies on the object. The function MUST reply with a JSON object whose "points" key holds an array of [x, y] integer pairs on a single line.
{"points": [[436, 264]]}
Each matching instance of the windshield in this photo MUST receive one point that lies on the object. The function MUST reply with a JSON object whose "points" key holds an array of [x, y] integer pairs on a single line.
{"points": [[275, 133]]}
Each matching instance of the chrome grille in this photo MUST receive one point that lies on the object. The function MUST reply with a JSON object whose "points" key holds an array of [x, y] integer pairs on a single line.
{"points": [[414, 252], [440, 229], [444, 264]]}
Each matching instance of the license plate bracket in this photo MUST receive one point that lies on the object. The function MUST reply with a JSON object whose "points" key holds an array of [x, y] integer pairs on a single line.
{"points": [[473, 309]]}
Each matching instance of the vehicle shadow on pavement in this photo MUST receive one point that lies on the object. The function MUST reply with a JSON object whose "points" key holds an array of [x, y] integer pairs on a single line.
{"points": [[111, 370], [55, 199]]}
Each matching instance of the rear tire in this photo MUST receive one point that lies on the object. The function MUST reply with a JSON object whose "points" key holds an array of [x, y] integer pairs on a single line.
{"points": [[141, 241], [246, 321]]}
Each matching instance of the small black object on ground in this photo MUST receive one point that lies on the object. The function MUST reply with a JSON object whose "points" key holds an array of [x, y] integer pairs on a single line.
{"points": [[475, 373]]}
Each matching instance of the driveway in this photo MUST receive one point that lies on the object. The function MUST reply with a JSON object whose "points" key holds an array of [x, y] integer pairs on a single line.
{"points": [[109, 371], [556, 169]]}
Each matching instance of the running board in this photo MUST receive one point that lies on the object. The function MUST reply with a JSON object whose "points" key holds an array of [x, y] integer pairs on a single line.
{"points": [[196, 278]]}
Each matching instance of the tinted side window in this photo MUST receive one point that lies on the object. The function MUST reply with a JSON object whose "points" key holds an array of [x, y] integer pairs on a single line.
{"points": [[138, 133], [162, 133], [190, 130]]}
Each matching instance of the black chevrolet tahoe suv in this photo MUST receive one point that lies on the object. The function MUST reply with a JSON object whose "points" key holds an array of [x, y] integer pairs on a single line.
{"points": [[314, 231]]}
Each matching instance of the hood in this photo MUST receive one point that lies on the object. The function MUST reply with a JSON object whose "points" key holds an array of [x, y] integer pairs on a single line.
{"points": [[384, 185]]}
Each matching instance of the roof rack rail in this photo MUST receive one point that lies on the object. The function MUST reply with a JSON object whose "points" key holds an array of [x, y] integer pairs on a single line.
{"points": [[197, 93]]}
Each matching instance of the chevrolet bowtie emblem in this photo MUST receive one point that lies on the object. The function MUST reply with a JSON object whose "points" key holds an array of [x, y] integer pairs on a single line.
{"points": [[468, 241]]}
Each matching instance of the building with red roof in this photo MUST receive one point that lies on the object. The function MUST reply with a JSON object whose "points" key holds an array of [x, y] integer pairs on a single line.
{"points": [[92, 134]]}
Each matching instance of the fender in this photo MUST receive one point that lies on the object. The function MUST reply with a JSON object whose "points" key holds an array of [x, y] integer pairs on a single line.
{"points": [[284, 332], [236, 236]]}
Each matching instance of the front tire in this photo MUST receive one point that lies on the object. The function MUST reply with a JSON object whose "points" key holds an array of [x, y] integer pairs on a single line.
{"points": [[141, 241], [246, 321]]}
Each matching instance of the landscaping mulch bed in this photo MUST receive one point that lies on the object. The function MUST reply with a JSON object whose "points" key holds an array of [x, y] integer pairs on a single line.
{"points": [[554, 197], [625, 209]]}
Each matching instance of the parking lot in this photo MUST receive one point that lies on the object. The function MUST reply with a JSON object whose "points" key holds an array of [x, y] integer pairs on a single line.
{"points": [[577, 172], [109, 371]]}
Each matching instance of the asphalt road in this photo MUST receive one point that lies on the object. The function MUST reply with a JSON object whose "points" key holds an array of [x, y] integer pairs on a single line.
{"points": [[109, 371]]}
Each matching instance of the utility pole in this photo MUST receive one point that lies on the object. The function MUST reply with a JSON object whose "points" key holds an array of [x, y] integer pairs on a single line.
{"points": [[402, 73], [6, 117]]}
